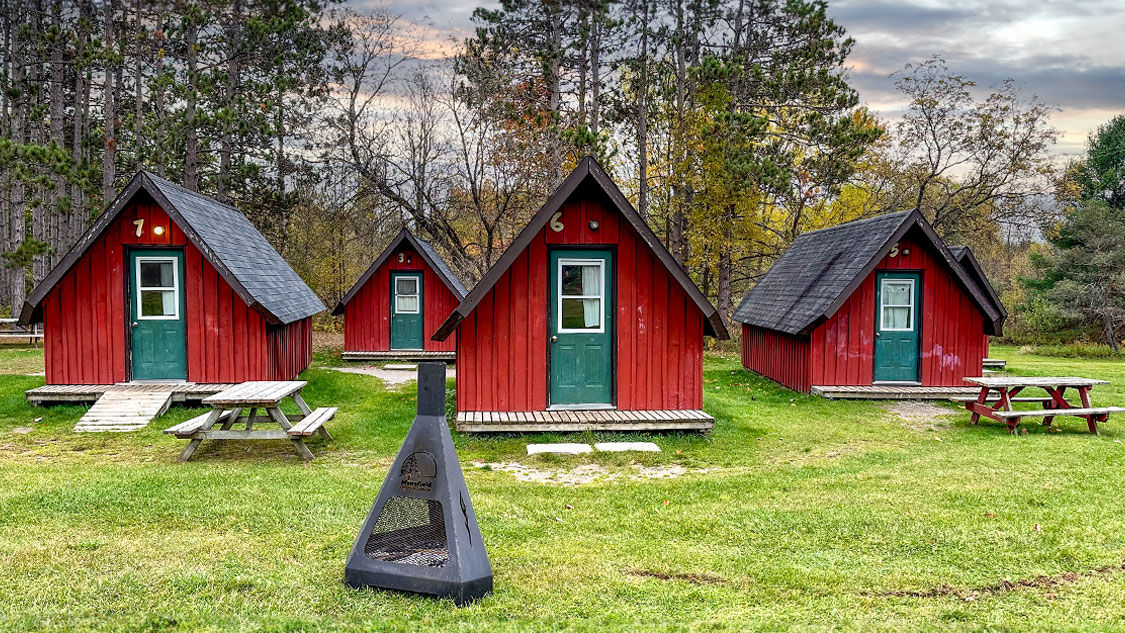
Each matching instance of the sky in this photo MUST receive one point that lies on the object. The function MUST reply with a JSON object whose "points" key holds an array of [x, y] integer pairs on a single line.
{"points": [[1071, 53]]}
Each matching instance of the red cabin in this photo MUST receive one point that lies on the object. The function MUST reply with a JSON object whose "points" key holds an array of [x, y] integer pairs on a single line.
{"points": [[169, 285], [398, 304], [872, 302], [585, 322]]}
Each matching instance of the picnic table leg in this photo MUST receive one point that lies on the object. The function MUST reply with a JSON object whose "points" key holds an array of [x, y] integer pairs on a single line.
{"points": [[250, 418], [189, 450], [231, 419], [301, 404], [1006, 404], [1052, 404], [298, 443], [1091, 420], [981, 399]]}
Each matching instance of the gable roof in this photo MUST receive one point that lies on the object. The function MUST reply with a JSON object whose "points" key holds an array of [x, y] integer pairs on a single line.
{"points": [[969, 262], [817, 274], [224, 236], [429, 255], [590, 170]]}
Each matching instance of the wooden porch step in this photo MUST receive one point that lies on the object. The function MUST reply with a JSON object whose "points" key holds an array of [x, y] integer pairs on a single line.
{"points": [[400, 354], [124, 411], [583, 420], [892, 392]]}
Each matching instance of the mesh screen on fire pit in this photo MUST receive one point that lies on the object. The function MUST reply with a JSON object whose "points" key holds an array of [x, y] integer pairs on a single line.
{"points": [[409, 531]]}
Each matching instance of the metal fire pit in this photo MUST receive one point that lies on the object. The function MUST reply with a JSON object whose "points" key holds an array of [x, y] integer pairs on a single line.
{"points": [[421, 535]]}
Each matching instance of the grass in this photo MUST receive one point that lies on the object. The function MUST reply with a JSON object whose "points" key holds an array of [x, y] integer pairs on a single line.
{"points": [[795, 514]]}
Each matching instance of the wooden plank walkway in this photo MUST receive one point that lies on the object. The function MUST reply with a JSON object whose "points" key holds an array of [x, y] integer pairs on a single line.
{"points": [[891, 392], [400, 354], [181, 391], [583, 420], [124, 411]]}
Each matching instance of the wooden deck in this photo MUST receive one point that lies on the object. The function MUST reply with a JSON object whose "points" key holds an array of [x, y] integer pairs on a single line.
{"points": [[569, 420], [400, 355], [63, 394], [892, 392], [994, 363]]}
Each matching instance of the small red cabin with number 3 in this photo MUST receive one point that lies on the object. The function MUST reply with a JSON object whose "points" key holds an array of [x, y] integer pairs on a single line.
{"points": [[168, 285], [585, 322], [880, 301], [398, 303]]}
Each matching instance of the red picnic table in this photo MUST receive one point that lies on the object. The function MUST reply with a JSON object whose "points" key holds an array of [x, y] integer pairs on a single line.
{"points": [[1054, 404]]}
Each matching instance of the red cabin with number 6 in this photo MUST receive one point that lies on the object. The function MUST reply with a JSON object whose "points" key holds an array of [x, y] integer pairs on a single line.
{"points": [[585, 322], [876, 302], [168, 285]]}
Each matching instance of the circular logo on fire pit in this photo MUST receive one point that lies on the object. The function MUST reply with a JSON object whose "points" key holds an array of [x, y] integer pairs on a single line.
{"points": [[418, 472]]}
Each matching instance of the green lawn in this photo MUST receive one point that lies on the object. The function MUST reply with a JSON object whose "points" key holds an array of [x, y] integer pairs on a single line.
{"points": [[796, 513]]}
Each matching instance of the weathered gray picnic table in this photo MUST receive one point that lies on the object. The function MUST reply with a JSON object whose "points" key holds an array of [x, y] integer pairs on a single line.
{"points": [[239, 405], [1054, 404]]}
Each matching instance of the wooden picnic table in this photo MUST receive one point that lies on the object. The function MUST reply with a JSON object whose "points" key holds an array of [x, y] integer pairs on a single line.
{"points": [[238, 405], [1054, 404]]}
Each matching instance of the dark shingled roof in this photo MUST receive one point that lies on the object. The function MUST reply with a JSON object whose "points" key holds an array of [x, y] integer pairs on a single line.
{"points": [[969, 262], [589, 173], [431, 257], [813, 278], [225, 238]]}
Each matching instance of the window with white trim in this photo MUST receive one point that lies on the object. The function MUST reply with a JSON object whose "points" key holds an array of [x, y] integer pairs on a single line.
{"points": [[406, 295], [158, 288], [581, 295], [896, 297]]}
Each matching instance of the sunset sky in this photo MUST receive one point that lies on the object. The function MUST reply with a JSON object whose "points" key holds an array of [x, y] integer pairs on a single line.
{"points": [[1070, 53]]}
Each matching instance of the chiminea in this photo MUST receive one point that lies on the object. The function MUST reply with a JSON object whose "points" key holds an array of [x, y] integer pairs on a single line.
{"points": [[421, 535]]}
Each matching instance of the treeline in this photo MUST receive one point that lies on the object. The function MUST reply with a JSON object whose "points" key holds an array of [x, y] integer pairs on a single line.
{"points": [[731, 125]]}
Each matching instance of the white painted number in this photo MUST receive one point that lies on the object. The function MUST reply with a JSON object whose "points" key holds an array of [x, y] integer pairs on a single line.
{"points": [[556, 222], [894, 250], [140, 224], [401, 257]]}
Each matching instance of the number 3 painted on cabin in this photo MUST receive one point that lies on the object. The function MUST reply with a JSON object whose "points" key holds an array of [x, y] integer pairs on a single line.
{"points": [[556, 222], [140, 224], [894, 250]]}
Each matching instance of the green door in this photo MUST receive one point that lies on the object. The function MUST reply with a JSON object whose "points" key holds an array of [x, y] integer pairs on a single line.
{"points": [[581, 327], [898, 306], [406, 311], [157, 338]]}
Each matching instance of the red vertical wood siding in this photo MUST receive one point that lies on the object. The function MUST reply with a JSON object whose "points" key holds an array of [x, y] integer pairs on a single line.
{"points": [[367, 317], [781, 357], [85, 316], [502, 362], [953, 343], [290, 349]]}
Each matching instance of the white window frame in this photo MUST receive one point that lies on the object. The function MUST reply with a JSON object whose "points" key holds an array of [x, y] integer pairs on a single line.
{"points": [[883, 304], [175, 288], [417, 293], [600, 263]]}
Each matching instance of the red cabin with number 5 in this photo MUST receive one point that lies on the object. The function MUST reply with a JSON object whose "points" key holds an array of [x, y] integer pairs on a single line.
{"points": [[585, 322], [876, 302], [168, 285]]}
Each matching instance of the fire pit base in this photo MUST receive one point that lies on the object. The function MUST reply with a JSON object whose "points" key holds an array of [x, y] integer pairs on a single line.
{"points": [[421, 535]]}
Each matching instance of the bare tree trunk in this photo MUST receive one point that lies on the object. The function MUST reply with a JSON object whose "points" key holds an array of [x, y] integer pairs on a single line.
{"points": [[226, 148], [110, 154], [554, 81], [191, 144], [595, 70], [17, 219], [158, 97], [1110, 331], [7, 184], [724, 300], [138, 87], [54, 234], [642, 115]]}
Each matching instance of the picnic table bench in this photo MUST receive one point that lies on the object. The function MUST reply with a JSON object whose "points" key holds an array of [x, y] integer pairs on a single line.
{"points": [[1055, 404], [239, 405]]}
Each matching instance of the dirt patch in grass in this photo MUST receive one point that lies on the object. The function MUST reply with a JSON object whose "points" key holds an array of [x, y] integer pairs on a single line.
{"points": [[391, 377], [587, 473], [1002, 586], [695, 579], [921, 416]]}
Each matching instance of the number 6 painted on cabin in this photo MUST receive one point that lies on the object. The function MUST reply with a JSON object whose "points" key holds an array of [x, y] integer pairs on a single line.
{"points": [[140, 224], [556, 222]]}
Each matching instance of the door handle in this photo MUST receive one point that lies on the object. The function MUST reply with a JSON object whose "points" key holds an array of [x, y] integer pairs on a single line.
{"points": [[554, 339], [876, 334], [134, 324]]}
